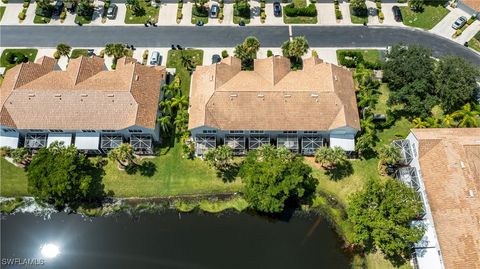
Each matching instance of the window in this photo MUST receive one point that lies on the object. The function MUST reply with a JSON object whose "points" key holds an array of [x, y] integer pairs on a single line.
{"points": [[289, 132], [134, 131], [209, 131], [108, 131], [310, 132], [257, 132], [236, 132], [8, 130], [36, 130], [88, 131], [414, 149], [56, 131]]}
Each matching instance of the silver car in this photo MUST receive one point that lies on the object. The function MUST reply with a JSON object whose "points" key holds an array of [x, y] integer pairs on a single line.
{"points": [[155, 58], [459, 23]]}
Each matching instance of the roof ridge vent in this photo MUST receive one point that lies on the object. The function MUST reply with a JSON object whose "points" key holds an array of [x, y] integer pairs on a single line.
{"points": [[260, 95], [83, 95], [31, 95], [314, 95], [335, 77], [110, 95], [58, 95], [287, 95]]}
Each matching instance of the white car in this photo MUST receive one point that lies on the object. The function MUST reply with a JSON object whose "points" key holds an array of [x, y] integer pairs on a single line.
{"points": [[155, 58]]}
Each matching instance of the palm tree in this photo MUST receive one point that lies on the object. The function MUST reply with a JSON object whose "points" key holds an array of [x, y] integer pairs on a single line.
{"points": [[362, 74], [419, 123], [389, 154], [433, 122], [165, 123], [466, 116], [64, 50], [181, 121], [448, 121], [187, 62], [123, 155], [366, 98], [117, 50], [330, 157], [179, 102], [367, 125], [166, 107]]}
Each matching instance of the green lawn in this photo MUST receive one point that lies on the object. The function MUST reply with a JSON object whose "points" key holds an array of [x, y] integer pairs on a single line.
{"points": [[41, 20], [83, 20], [30, 53], [78, 52], [433, 13], [2, 11], [174, 61], [13, 180], [358, 19], [474, 43], [369, 55], [299, 19], [399, 130], [151, 13], [174, 175], [198, 18]]}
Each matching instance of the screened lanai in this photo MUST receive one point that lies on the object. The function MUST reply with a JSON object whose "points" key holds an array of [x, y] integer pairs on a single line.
{"points": [[35, 140], [110, 141], [409, 176], [255, 141], [405, 151], [237, 143], [290, 142], [310, 144], [204, 143], [141, 144]]}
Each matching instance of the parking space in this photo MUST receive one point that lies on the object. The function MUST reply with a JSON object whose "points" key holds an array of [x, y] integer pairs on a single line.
{"points": [[326, 13], [389, 16]]}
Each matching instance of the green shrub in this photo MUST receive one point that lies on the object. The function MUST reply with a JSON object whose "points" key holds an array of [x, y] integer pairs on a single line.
{"points": [[335, 2], [220, 15], [470, 21], [308, 11], [199, 11], [63, 15], [381, 16], [145, 55], [220, 4], [379, 5], [269, 53], [21, 15], [114, 66], [350, 59], [262, 5], [26, 4], [180, 5], [56, 55], [179, 14], [241, 10], [314, 53], [5, 151], [338, 14], [224, 54], [458, 32], [263, 16], [16, 57]]}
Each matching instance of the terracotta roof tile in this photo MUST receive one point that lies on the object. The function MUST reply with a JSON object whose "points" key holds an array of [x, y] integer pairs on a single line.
{"points": [[450, 168], [272, 97]]}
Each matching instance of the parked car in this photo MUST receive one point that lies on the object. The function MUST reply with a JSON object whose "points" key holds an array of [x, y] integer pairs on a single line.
{"points": [[155, 58], [277, 9], [216, 58], [459, 23], [58, 8], [397, 13], [214, 11], [112, 11]]}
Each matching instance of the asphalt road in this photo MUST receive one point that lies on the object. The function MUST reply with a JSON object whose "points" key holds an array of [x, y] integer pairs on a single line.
{"points": [[227, 36]]}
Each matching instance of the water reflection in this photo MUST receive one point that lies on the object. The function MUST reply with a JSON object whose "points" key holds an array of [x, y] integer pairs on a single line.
{"points": [[49, 250]]}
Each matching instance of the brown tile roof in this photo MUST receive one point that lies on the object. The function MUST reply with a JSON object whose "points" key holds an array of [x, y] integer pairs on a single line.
{"points": [[272, 97], [475, 4], [85, 96], [450, 168]]}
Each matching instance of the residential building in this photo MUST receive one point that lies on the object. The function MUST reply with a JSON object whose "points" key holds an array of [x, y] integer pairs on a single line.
{"points": [[443, 166], [470, 6], [85, 105], [301, 110]]}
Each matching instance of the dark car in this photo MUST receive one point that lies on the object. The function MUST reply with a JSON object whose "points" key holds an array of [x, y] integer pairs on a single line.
{"points": [[277, 9], [214, 11], [397, 13], [199, 23], [112, 11], [58, 8], [216, 58], [459, 23]]}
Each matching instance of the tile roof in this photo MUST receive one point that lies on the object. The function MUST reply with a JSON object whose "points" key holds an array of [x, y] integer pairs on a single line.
{"points": [[450, 168], [272, 97], [475, 4], [84, 96]]}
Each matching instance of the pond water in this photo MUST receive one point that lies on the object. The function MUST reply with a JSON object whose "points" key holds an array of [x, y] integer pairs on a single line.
{"points": [[170, 240]]}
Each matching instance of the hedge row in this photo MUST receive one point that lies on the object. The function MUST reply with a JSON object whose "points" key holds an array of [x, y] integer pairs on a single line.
{"points": [[308, 11], [351, 59]]}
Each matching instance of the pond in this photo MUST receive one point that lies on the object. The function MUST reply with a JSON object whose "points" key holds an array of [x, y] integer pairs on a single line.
{"points": [[170, 240]]}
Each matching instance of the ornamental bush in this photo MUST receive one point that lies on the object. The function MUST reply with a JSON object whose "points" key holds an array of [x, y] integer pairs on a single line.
{"points": [[63, 15], [21, 15], [269, 53], [338, 14], [16, 58], [220, 15], [26, 4], [350, 59], [200, 11], [224, 54], [308, 11], [262, 4], [381, 16]]}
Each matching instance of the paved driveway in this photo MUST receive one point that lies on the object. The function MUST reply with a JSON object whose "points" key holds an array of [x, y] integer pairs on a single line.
{"points": [[444, 27]]}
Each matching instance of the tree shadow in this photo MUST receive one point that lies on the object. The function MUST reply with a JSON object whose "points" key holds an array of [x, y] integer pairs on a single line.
{"points": [[341, 171], [229, 174], [147, 168]]}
